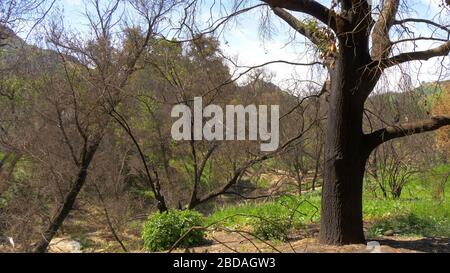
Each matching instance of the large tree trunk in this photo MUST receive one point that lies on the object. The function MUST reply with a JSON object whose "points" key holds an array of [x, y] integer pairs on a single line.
{"points": [[345, 155], [354, 73], [69, 201], [341, 221]]}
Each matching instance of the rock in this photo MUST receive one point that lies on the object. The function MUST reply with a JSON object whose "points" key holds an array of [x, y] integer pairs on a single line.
{"points": [[389, 233], [8, 241], [64, 245]]}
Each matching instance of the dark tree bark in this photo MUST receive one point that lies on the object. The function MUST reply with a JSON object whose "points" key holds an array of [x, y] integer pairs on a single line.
{"points": [[346, 152], [354, 72], [345, 155], [69, 200]]}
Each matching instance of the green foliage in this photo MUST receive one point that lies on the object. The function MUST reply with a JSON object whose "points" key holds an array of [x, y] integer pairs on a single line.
{"points": [[326, 44], [415, 213], [432, 93], [297, 210], [411, 224], [163, 230], [272, 228], [185, 166], [264, 183], [12, 89]]}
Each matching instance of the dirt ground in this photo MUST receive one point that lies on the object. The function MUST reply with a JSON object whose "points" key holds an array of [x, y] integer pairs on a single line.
{"points": [[221, 242], [225, 242]]}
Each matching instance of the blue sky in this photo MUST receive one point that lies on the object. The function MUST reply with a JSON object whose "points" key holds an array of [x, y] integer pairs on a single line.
{"points": [[244, 43]]}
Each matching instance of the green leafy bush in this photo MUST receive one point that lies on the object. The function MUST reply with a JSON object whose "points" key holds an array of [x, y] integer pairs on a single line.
{"points": [[271, 228], [408, 224], [163, 230]]}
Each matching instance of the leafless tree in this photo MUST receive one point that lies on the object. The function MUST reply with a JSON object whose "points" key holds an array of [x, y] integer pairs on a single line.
{"points": [[14, 13], [105, 72]]}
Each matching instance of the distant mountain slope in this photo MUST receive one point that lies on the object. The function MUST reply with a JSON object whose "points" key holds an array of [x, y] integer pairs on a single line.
{"points": [[432, 88], [10, 43], [16, 55]]}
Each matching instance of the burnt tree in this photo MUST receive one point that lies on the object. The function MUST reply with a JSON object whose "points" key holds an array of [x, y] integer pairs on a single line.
{"points": [[356, 46], [108, 71]]}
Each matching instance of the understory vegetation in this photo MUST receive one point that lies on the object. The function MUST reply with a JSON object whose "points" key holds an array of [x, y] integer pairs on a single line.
{"points": [[418, 212], [146, 130], [163, 230]]}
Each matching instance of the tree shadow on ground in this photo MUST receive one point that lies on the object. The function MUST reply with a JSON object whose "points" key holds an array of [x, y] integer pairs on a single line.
{"points": [[428, 245]]}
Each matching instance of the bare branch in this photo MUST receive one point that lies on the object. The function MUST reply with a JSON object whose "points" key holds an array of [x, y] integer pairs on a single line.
{"points": [[296, 24], [440, 51], [380, 36], [313, 8], [420, 20], [406, 129]]}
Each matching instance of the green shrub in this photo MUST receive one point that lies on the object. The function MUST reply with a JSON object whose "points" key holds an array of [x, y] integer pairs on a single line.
{"points": [[163, 230], [408, 224], [271, 228]]}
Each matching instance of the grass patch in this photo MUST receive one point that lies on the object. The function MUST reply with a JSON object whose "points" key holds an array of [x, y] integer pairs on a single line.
{"points": [[297, 211], [417, 212], [412, 224]]}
